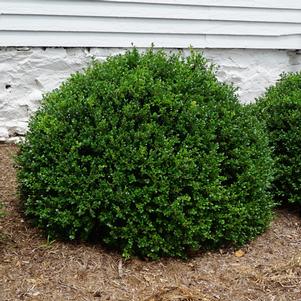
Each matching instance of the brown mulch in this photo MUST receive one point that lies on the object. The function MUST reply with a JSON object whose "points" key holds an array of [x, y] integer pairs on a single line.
{"points": [[32, 268]]}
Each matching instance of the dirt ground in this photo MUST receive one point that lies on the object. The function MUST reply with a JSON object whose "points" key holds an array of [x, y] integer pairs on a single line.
{"points": [[32, 268]]}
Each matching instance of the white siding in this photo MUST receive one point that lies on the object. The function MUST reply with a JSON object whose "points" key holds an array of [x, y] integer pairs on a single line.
{"points": [[269, 24]]}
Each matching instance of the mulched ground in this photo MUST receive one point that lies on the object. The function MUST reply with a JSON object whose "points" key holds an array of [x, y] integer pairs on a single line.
{"points": [[32, 268]]}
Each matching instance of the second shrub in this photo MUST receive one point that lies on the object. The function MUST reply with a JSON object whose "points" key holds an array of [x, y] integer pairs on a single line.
{"points": [[280, 110]]}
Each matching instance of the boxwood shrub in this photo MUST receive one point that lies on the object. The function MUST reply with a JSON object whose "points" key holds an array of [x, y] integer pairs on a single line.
{"points": [[148, 153], [280, 109]]}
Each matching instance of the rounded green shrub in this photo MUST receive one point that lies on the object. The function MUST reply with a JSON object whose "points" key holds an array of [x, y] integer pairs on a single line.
{"points": [[150, 154], [280, 109]]}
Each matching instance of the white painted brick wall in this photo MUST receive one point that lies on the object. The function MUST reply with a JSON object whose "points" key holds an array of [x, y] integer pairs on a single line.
{"points": [[26, 73]]}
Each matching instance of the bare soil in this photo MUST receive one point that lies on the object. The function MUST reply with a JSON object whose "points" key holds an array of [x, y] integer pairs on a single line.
{"points": [[32, 268]]}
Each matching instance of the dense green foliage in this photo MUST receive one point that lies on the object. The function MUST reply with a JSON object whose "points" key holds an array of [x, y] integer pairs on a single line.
{"points": [[280, 109], [150, 154]]}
